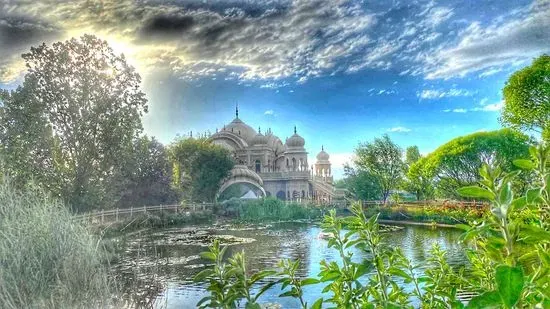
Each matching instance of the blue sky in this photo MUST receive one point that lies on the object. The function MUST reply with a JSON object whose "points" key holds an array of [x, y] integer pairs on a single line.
{"points": [[341, 71]]}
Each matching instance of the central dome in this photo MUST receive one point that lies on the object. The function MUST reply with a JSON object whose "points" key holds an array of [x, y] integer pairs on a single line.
{"points": [[241, 129], [259, 139]]}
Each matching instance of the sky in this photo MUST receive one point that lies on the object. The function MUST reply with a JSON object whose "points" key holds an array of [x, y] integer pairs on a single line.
{"points": [[342, 72]]}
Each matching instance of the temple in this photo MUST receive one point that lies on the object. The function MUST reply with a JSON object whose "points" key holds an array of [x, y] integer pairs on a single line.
{"points": [[272, 168]]}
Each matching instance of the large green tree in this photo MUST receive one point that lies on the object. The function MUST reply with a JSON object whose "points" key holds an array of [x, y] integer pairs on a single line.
{"points": [[527, 98], [361, 184], [382, 159], [418, 180], [456, 164], [147, 176], [199, 168], [72, 122]]}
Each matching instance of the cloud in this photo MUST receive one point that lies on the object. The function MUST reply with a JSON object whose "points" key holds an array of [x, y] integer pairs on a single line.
{"points": [[269, 112], [511, 39], [399, 129], [495, 107], [437, 94]]}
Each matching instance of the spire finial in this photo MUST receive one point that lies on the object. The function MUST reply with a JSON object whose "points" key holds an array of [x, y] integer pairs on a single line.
{"points": [[259, 130], [294, 129], [237, 110], [322, 148]]}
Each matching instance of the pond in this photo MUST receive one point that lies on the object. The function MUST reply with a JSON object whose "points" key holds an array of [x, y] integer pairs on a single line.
{"points": [[157, 266]]}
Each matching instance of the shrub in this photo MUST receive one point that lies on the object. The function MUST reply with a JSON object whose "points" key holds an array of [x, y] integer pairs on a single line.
{"points": [[47, 259]]}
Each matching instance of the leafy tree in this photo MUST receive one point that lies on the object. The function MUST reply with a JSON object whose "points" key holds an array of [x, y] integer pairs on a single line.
{"points": [[412, 155], [147, 175], [420, 181], [74, 118], [382, 160], [199, 168], [361, 184], [456, 163], [527, 98]]}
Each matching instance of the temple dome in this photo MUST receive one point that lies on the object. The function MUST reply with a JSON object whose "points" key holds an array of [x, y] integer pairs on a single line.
{"points": [[295, 141], [241, 129], [322, 155], [259, 139]]}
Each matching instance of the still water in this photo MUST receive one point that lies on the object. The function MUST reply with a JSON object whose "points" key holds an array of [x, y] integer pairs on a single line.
{"points": [[157, 266]]}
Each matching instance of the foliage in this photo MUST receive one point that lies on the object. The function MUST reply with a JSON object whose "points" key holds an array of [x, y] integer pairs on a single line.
{"points": [[229, 283], [199, 168], [420, 181], [361, 184], [451, 214], [147, 175], [515, 239], [456, 163], [527, 98], [510, 254], [72, 122], [269, 209], [382, 160], [412, 155], [48, 259]]}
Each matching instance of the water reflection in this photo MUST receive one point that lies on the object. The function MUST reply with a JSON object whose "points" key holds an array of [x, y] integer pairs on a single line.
{"points": [[165, 267]]}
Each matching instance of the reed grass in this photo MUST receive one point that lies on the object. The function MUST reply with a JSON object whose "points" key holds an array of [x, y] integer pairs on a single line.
{"points": [[47, 259]]}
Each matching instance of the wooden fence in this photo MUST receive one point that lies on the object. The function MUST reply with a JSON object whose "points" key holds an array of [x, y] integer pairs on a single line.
{"points": [[125, 213], [430, 203]]}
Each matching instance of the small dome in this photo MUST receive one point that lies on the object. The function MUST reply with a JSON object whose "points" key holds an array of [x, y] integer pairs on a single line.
{"points": [[259, 139], [295, 141], [322, 155]]}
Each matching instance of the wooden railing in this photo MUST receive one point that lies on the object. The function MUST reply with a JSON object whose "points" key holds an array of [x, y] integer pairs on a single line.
{"points": [[125, 213]]}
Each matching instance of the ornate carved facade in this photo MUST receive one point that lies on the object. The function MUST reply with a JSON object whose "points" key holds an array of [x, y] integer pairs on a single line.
{"points": [[275, 169]]}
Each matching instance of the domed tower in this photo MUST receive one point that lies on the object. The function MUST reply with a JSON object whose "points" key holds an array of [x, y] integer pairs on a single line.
{"points": [[295, 153], [322, 166]]}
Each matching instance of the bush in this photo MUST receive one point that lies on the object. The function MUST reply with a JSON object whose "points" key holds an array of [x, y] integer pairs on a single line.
{"points": [[269, 209], [47, 259]]}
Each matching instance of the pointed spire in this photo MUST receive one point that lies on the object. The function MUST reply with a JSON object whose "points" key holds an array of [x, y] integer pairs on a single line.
{"points": [[294, 129], [259, 130], [322, 148], [191, 133], [237, 110]]}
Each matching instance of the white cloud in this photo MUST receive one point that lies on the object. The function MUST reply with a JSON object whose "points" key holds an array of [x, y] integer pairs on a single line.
{"points": [[459, 110], [437, 94], [269, 112], [514, 38], [399, 129], [495, 107], [489, 72]]}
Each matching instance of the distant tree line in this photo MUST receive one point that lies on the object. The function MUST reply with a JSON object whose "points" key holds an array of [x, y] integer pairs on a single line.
{"points": [[74, 128]]}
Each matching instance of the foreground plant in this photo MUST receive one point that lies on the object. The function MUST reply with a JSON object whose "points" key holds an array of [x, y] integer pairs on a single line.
{"points": [[513, 242]]}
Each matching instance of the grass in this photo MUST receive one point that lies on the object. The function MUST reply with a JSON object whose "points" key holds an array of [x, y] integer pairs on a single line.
{"points": [[269, 209], [428, 214], [47, 259]]}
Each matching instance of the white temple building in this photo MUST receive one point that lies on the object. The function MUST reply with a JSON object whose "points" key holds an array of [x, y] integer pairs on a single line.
{"points": [[273, 168]]}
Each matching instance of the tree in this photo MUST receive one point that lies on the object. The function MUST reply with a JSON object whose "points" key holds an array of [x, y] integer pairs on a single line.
{"points": [[456, 164], [412, 155], [85, 105], [363, 185], [382, 160], [527, 98], [148, 175], [418, 180], [199, 168]]}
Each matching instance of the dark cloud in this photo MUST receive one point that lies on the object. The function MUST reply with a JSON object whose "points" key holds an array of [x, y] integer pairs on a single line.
{"points": [[17, 32], [167, 25]]}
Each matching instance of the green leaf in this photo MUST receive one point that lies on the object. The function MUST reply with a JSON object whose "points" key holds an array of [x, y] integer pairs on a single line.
{"points": [[203, 275], [510, 284], [506, 195], [524, 164], [318, 304], [486, 300], [208, 255], [477, 192], [203, 300], [532, 195], [309, 281]]}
